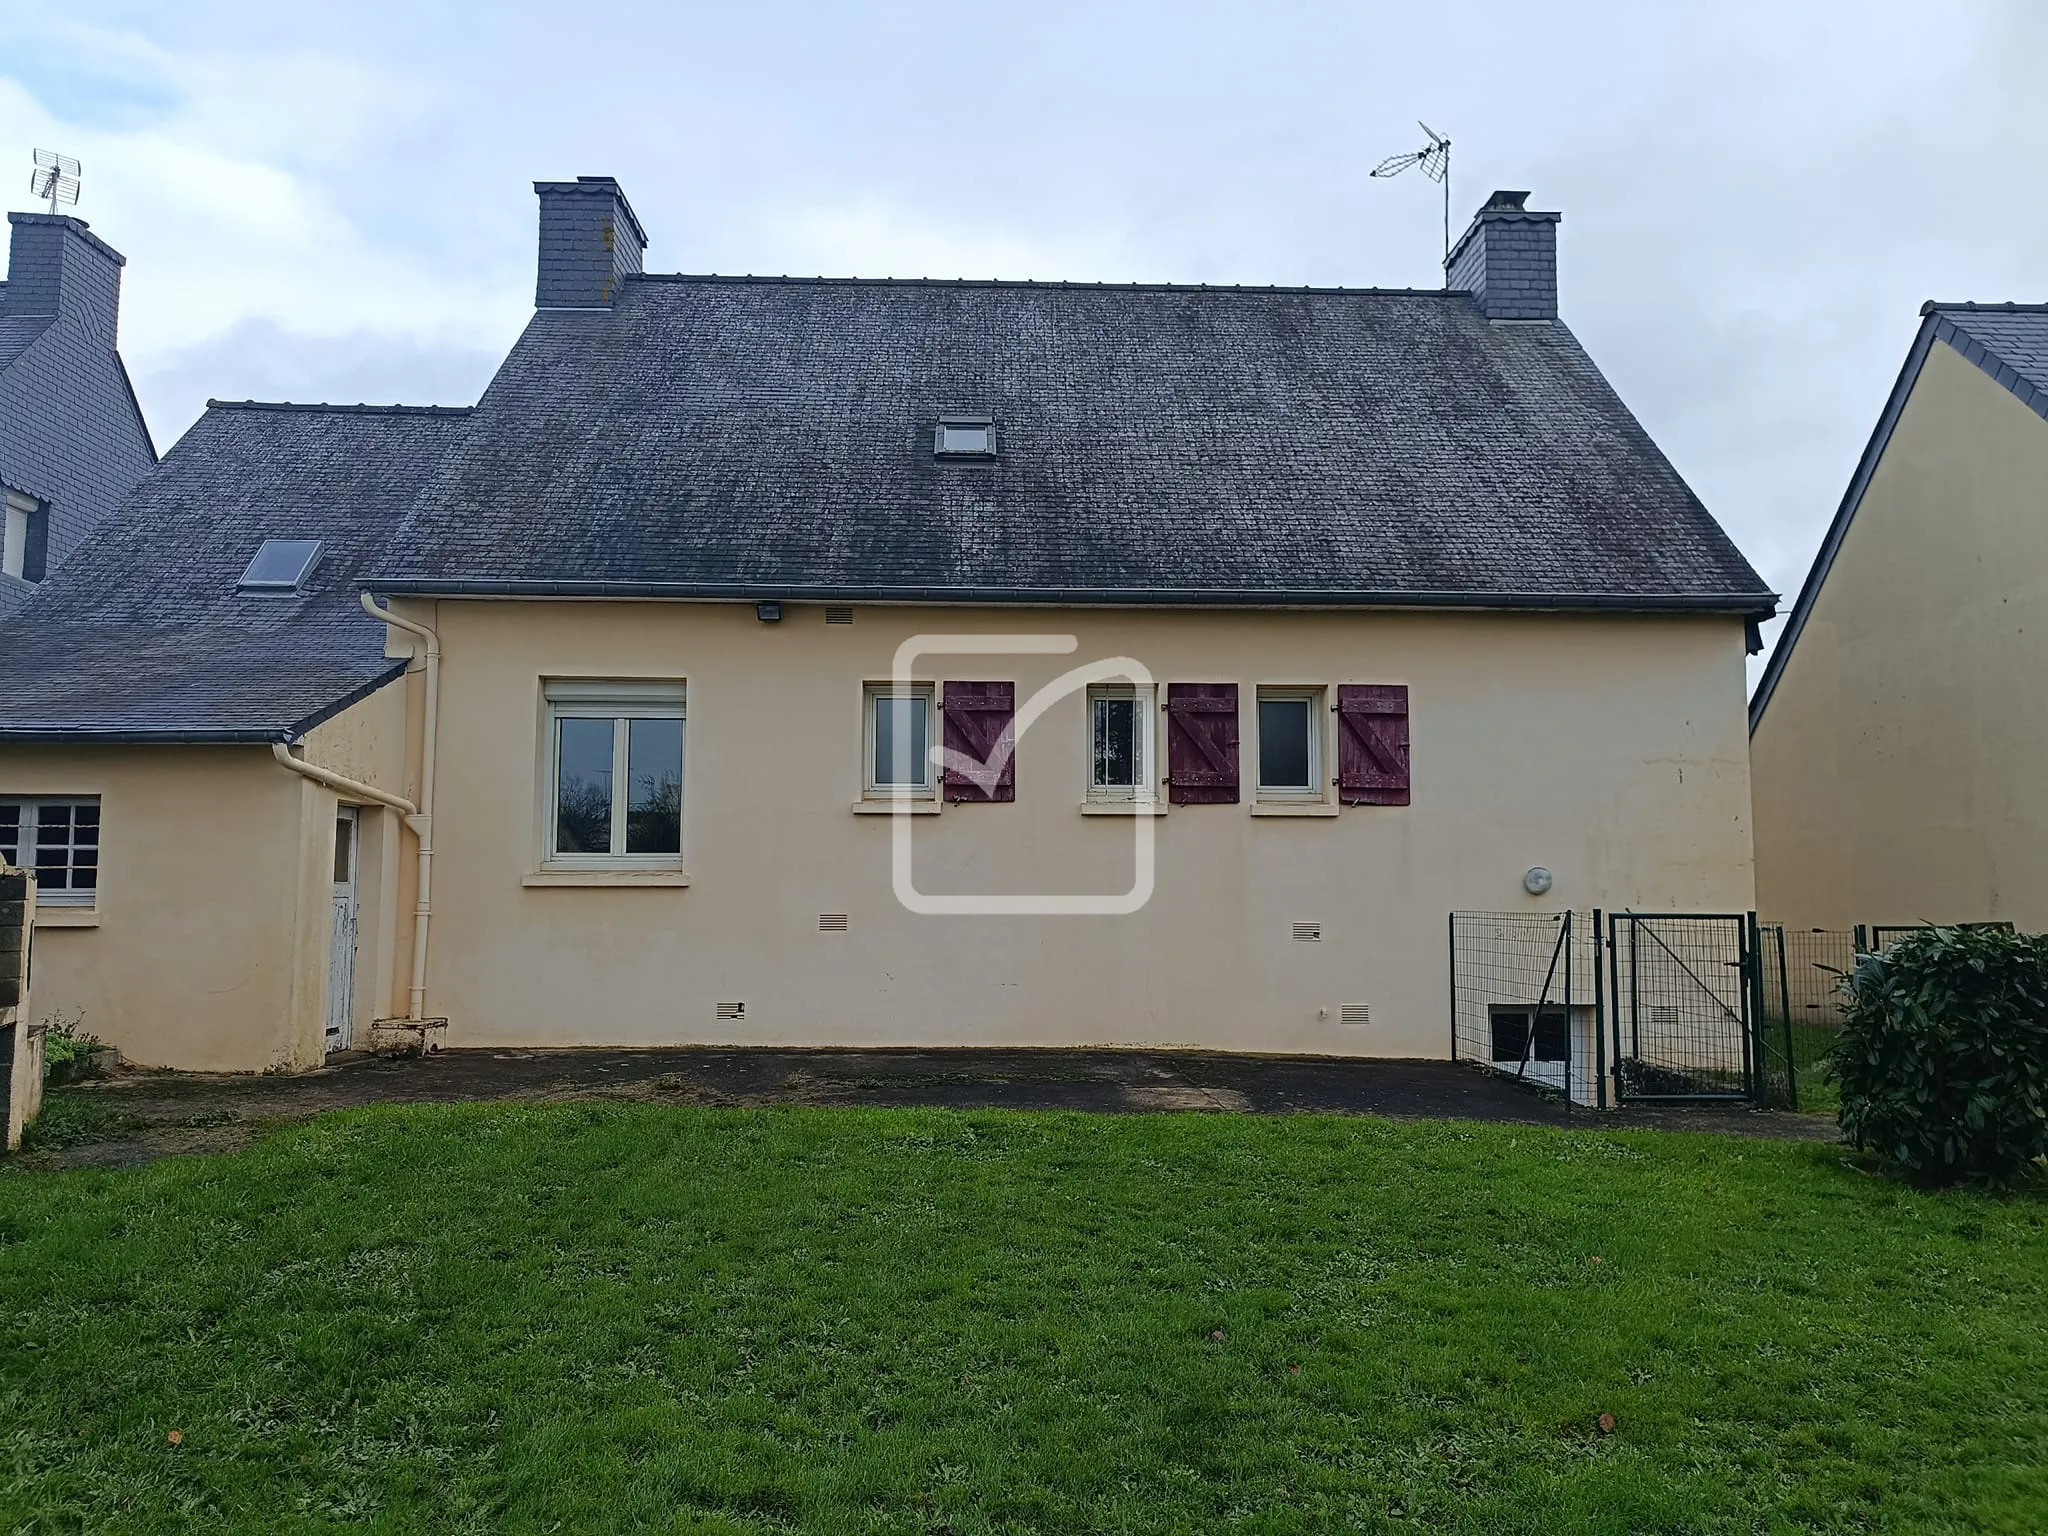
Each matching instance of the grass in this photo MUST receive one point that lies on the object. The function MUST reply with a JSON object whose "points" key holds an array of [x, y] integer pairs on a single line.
{"points": [[532, 1318]]}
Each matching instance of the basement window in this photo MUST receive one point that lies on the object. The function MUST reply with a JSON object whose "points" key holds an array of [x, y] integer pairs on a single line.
{"points": [[279, 566], [965, 437]]}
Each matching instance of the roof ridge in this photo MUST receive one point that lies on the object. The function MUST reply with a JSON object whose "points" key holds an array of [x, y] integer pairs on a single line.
{"points": [[351, 410], [772, 279], [1975, 307]]}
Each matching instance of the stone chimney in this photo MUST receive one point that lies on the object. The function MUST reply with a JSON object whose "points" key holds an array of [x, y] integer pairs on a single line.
{"points": [[57, 267], [589, 241], [1508, 260]]}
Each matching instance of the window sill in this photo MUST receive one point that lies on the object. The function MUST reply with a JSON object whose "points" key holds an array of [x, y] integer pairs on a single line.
{"points": [[628, 878], [1293, 808], [881, 807], [67, 917], [1123, 807]]}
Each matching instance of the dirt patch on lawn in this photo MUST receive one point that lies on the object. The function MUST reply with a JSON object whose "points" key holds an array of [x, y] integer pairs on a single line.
{"points": [[134, 1117]]}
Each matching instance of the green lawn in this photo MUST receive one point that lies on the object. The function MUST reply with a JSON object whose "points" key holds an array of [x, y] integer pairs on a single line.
{"points": [[627, 1317]]}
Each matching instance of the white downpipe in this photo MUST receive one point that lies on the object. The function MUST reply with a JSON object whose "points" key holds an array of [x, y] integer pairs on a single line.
{"points": [[422, 822]]}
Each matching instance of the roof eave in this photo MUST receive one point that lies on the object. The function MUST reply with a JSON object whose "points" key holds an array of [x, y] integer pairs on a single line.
{"points": [[1747, 604]]}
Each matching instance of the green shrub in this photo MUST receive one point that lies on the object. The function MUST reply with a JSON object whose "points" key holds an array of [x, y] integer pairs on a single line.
{"points": [[67, 1050], [1943, 1054]]}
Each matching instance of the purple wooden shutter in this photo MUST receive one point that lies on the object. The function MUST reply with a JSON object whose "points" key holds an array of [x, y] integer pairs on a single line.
{"points": [[1372, 743], [1201, 743], [979, 726]]}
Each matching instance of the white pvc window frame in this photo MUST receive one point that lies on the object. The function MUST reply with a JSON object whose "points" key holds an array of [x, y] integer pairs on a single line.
{"points": [[926, 787], [1144, 699], [15, 524], [22, 851], [620, 702], [1316, 699]]}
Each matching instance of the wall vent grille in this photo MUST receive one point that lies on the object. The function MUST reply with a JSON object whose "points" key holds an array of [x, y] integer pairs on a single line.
{"points": [[1355, 1015], [1308, 933], [838, 615], [831, 922], [1665, 1014], [732, 1011]]}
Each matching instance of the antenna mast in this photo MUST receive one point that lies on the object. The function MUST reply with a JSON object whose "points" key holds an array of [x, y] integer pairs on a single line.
{"points": [[1434, 161], [55, 177]]}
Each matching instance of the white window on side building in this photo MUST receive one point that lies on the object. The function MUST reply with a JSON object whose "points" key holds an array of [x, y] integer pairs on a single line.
{"points": [[1290, 747], [15, 523], [896, 746], [57, 836]]}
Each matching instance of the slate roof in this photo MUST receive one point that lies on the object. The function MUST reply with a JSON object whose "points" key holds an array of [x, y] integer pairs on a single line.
{"points": [[716, 436], [2007, 341], [141, 635]]}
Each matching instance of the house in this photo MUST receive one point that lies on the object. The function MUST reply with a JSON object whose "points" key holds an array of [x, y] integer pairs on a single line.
{"points": [[72, 439], [1900, 733], [1255, 631]]}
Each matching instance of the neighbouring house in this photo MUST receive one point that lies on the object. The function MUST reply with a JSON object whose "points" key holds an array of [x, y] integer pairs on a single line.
{"points": [[1312, 616], [1899, 735], [73, 442]]}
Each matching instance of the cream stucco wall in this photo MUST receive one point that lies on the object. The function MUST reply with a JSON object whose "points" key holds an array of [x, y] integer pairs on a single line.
{"points": [[1899, 764], [208, 944], [1610, 749]]}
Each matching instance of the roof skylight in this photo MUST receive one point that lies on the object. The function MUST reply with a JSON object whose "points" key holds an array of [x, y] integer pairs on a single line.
{"points": [[965, 437], [279, 565]]}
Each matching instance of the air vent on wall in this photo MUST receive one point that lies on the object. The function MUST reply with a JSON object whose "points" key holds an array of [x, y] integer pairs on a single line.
{"points": [[831, 922], [1355, 1015], [1308, 933], [838, 615], [1665, 1014], [732, 1011]]}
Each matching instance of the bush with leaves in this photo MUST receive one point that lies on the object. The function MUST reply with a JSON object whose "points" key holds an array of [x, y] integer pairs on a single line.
{"points": [[1943, 1054]]}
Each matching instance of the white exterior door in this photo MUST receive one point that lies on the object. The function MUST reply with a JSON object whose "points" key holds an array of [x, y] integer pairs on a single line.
{"points": [[341, 956]]}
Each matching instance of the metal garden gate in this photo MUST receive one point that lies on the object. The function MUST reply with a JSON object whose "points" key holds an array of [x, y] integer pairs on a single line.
{"points": [[1683, 989]]}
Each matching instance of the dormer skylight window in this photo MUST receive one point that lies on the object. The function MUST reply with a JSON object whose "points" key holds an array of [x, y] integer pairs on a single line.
{"points": [[965, 437], [280, 566]]}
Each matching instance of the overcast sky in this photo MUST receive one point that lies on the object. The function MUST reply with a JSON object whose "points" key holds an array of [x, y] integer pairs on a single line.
{"points": [[333, 203]]}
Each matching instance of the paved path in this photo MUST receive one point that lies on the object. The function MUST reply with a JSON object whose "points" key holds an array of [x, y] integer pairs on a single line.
{"points": [[163, 1112]]}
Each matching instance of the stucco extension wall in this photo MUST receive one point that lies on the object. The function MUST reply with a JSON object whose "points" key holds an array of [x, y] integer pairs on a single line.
{"points": [[1612, 750], [1899, 764], [208, 946]]}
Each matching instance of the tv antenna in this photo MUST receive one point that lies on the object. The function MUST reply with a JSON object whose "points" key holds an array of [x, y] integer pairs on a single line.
{"points": [[1434, 161], [55, 177]]}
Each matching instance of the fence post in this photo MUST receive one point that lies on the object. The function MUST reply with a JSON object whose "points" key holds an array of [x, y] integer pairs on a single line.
{"points": [[1785, 998], [1862, 940], [1756, 1063], [1568, 1031], [1599, 1019], [1454, 985]]}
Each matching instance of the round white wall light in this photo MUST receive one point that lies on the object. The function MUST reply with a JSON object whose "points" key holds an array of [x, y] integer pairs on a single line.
{"points": [[1537, 881]]}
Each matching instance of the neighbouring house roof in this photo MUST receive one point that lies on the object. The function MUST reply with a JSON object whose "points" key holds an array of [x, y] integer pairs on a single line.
{"points": [[2010, 343], [1156, 444], [142, 634]]}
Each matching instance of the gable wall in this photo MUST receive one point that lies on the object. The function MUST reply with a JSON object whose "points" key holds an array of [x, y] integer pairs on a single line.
{"points": [[1899, 765]]}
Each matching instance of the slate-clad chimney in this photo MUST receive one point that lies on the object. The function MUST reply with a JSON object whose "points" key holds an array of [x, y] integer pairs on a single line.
{"points": [[589, 240], [58, 267], [1508, 259]]}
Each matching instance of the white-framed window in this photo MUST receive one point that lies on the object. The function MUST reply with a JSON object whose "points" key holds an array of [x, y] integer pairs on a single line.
{"points": [[16, 520], [898, 729], [57, 836], [1290, 744], [1122, 733], [614, 774]]}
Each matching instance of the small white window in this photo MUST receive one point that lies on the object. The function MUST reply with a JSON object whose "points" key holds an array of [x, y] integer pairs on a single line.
{"points": [[1291, 744], [59, 838], [1121, 720], [965, 437], [897, 748], [14, 531], [615, 774]]}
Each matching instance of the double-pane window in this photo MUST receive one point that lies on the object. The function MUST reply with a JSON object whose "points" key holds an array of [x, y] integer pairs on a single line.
{"points": [[1290, 744], [616, 773]]}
